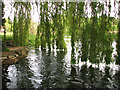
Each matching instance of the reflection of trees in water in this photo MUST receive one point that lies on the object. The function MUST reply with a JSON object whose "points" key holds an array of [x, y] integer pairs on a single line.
{"points": [[60, 71], [52, 68], [53, 71], [117, 79], [4, 76], [24, 73], [21, 80], [89, 77], [46, 69]]}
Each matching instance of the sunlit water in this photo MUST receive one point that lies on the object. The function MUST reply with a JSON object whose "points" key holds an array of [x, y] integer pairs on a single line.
{"points": [[41, 69]]}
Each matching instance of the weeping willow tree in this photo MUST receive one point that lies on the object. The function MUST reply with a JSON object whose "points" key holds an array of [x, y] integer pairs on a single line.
{"points": [[118, 40], [118, 44], [27, 23], [60, 43], [72, 27], [75, 20], [43, 34], [47, 27], [15, 31], [51, 27], [105, 45], [108, 49], [39, 28], [101, 42], [54, 19], [84, 27], [73, 23], [95, 39], [93, 33], [21, 23], [44, 28]]}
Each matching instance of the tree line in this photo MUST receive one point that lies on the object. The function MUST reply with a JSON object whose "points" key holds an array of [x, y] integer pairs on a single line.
{"points": [[57, 17]]}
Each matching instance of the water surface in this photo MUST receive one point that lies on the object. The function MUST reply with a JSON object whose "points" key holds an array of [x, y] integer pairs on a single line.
{"points": [[61, 69]]}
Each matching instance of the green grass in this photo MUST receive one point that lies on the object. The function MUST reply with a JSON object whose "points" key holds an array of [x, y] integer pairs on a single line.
{"points": [[9, 36], [31, 40]]}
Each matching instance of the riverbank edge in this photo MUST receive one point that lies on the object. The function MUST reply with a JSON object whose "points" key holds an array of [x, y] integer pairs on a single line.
{"points": [[13, 55]]}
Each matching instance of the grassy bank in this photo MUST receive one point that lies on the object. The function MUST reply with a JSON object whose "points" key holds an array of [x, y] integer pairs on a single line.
{"points": [[9, 36]]}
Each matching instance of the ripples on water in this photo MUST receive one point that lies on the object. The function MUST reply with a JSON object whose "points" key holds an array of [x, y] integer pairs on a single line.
{"points": [[54, 70]]}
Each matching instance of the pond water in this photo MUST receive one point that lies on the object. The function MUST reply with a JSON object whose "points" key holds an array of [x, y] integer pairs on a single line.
{"points": [[57, 69]]}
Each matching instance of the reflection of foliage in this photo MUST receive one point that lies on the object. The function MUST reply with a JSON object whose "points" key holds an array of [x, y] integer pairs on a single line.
{"points": [[90, 77]]}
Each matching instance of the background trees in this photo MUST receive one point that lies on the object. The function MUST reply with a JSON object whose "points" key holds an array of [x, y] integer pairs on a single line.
{"points": [[59, 19]]}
